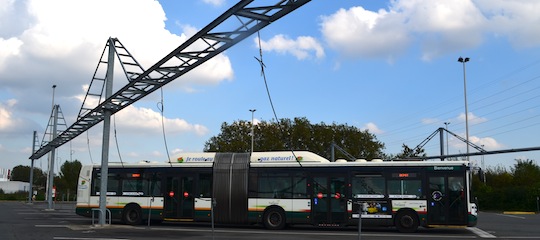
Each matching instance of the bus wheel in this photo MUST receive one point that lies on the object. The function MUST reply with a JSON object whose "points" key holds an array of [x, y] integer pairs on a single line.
{"points": [[274, 218], [406, 222], [132, 215]]}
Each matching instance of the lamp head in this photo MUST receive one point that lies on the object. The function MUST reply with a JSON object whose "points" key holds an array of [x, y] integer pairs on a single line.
{"points": [[463, 60]]}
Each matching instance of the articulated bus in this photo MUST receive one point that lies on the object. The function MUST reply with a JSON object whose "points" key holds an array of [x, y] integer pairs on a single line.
{"points": [[276, 189]]}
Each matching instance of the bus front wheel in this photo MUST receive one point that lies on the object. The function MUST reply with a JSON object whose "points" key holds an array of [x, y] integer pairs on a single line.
{"points": [[406, 221], [274, 218], [132, 215]]}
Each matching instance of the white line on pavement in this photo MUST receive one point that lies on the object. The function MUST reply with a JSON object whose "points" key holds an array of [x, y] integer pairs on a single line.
{"points": [[481, 233]]}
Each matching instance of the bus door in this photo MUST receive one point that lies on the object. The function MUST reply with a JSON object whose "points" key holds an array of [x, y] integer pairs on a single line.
{"points": [[447, 200], [328, 201], [179, 198]]}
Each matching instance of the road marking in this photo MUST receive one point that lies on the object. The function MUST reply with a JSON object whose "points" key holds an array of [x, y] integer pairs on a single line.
{"points": [[387, 235], [520, 237], [52, 226], [506, 215], [481, 233], [78, 238]]}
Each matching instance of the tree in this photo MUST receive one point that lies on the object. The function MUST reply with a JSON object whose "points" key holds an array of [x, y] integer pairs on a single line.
{"points": [[22, 173], [68, 177], [526, 173], [297, 134], [526, 182], [411, 153], [516, 189]]}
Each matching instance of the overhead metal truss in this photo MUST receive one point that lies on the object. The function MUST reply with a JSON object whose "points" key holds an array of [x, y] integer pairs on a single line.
{"points": [[439, 131], [132, 70], [60, 125], [240, 21]]}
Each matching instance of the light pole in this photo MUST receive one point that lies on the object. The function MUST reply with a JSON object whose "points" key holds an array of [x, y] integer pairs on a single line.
{"points": [[252, 133], [483, 169], [463, 61], [446, 125]]}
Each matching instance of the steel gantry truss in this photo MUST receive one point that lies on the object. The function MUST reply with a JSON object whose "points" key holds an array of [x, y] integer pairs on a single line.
{"points": [[240, 21]]}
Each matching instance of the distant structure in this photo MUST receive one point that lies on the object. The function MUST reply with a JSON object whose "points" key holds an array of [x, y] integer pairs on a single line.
{"points": [[4, 174], [11, 186]]}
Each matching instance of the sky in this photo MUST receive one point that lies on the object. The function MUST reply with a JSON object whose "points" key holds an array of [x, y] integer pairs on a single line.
{"points": [[389, 67]]}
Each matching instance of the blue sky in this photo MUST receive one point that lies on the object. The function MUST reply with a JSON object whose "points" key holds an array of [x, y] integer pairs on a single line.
{"points": [[387, 66]]}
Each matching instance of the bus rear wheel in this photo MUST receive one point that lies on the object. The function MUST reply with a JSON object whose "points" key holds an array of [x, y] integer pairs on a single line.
{"points": [[274, 218], [132, 215], [406, 221]]}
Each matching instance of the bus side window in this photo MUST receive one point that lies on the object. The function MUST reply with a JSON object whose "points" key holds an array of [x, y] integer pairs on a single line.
{"points": [[282, 187], [132, 185], [205, 185], [371, 186], [275, 185], [152, 184], [112, 184], [405, 188], [299, 187]]}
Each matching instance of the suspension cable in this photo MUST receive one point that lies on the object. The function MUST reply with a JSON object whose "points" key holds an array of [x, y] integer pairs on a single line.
{"points": [[161, 107], [263, 74], [88, 144], [116, 141]]}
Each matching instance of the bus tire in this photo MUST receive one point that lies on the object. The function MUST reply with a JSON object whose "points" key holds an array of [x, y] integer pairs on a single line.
{"points": [[274, 218], [132, 215], [406, 221]]}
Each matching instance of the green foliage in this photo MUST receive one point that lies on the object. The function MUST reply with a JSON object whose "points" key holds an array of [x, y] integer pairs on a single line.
{"points": [[408, 152], [297, 134], [66, 182], [17, 196], [514, 190]]}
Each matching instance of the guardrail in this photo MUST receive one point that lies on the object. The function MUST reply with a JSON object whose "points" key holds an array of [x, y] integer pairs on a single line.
{"points": [[108, 213]]}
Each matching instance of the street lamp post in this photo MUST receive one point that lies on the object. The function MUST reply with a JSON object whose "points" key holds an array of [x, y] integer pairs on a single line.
{"points": [[446, 126], [252, 132], [483, 169], [463, 61]]}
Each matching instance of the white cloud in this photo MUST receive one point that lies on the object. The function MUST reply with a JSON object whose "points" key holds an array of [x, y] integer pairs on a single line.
{"points": [[359, 32], [9, 48], [429, 120], [6, 120], [10, 122], [439, 26], [63, 47], [177, 151], [146, 121], [216, 3], [372, 128], [256, 121], [301, 48], [488, 143], [473, 119], [513, 20]]}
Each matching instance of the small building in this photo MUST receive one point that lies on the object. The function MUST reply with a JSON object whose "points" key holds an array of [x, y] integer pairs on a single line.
{"points": [[14, 186]]}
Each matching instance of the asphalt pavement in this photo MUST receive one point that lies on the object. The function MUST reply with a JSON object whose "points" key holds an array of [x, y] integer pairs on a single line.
{"points": [[24, 221]]}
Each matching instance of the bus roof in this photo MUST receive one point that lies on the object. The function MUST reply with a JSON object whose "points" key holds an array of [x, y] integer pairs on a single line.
{"points": [[273, 156], [281, 159]]}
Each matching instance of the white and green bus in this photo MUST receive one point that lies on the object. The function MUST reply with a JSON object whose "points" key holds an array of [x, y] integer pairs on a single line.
{"points": [[276, 189]]}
